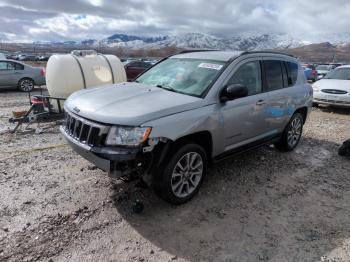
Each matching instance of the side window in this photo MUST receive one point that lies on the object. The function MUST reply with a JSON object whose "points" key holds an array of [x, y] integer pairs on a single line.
{"points": [[132, 64], [3, 65], [273, 74], [248, 75], [10, 66], [19, 66], [6, 65], [292, 71]]}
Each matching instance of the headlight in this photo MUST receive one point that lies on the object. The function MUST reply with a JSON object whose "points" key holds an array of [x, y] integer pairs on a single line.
{"points": [[127, 136], [315, 88]]}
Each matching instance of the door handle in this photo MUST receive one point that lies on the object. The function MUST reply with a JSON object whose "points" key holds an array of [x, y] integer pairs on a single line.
{"points": [[260, 102]]}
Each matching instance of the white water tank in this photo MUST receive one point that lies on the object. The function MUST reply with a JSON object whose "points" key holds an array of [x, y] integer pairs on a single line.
{"points": [[80, 69]]}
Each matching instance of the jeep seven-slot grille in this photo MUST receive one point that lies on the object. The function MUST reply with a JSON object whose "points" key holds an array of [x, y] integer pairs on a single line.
{"points": [[85, 131]]}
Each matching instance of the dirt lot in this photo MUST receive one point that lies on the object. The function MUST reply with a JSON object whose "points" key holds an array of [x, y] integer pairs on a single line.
{"points": [[259, 206]]}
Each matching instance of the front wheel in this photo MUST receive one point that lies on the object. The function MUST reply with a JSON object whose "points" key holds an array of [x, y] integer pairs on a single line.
{"points": [[182, 176], [26, 85], [291, 134]]}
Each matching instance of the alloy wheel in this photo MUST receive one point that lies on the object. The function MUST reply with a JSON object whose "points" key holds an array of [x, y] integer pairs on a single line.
{"points": [[27, 85], [187, 174], [294, 132]]}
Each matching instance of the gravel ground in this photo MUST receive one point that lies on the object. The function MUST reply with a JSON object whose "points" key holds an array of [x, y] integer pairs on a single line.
{"points": [[260, 206]]}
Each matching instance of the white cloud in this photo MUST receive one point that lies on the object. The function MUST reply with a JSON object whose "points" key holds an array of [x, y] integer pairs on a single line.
{"points": [[82, 19]]}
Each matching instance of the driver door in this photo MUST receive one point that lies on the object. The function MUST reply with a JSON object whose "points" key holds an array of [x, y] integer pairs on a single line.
{"points": [[244, 117]]}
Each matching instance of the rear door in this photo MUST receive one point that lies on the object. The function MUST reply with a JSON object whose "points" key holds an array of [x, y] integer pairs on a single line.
{"points": [[278, 102]]}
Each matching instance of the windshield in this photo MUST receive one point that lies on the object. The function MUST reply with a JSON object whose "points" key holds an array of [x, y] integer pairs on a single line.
{"points": [[182, 75], [340, 73], [322, 67]]}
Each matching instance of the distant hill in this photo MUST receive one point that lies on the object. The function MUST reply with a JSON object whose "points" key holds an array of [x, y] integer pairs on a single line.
{"points": [[320, 48]]}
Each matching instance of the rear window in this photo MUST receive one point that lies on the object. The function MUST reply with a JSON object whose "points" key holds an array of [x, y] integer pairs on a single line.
{"points": [[292, 71]]}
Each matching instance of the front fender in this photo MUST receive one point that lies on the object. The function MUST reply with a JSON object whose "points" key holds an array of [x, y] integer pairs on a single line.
{"points": [[186, 123]]}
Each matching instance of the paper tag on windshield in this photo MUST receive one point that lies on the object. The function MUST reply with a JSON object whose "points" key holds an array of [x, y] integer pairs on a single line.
{"points": [[210, 66]]}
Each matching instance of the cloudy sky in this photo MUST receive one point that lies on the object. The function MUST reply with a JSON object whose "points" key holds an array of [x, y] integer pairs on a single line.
{"points": [[33, 20]]}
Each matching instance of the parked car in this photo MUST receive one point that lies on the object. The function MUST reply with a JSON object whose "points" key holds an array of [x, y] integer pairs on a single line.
{"points": [[134, 68], [322, 70], [186, 112], [21, 76], [334, 88], [310, 74]]}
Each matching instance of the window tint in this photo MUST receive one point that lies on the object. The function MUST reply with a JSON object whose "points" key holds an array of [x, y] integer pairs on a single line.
{"points": [[19, 66], [6, 66], [273, 73], [248, 75], [3, 65], [292, 70], [10, 66], [132, 64]]}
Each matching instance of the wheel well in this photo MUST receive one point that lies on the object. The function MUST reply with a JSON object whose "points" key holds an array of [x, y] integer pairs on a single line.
{"points": [[303, 112], [202, 138]]}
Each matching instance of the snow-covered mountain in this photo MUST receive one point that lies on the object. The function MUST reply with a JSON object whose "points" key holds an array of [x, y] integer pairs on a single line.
{"points": [[206, 41]]}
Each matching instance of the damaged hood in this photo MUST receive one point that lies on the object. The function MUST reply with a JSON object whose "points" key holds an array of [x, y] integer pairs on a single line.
{"points": [[130, 104]]}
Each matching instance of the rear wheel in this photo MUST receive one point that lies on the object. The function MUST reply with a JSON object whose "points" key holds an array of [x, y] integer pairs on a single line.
{"points": [[182, 176], [26, 85], [291, 134]]}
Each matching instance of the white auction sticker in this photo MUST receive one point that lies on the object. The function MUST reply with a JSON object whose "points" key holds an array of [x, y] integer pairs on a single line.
{"points": [[210, 66]]}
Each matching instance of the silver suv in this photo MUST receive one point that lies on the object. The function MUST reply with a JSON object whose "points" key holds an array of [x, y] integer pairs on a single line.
{"points": [[187, 111]]}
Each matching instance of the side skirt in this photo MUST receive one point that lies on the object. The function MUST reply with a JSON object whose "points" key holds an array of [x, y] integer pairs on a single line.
{"points": [[247, 147]]}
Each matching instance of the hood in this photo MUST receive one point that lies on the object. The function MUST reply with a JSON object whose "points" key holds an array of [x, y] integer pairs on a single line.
{"points": [[130, 104], [333, 84]]}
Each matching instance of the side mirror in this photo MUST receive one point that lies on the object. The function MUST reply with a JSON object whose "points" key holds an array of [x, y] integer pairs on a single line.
{"points": [[232, 92]]}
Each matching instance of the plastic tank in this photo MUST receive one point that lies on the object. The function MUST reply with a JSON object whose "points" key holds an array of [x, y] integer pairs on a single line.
{"points": [[80, 69]]}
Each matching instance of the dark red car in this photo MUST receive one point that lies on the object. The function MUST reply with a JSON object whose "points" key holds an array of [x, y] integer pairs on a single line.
{"points": [[134, 68]]}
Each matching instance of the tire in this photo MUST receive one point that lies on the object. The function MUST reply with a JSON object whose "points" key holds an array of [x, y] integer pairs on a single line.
{"points": [[26, 85], [315, 104], [291, 134], [344, 149], [179, 181]]}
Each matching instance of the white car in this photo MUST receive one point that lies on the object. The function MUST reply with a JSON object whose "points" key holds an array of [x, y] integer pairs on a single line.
{"points": [[334, 88], [322, 70]]}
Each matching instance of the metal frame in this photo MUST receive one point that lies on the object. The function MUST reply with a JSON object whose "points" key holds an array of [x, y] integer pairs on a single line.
{"points": [[40, 112]]}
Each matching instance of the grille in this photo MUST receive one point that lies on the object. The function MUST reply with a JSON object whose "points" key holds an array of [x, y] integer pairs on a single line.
{"points": [[332, 101], [334, 91], [85, 131]]}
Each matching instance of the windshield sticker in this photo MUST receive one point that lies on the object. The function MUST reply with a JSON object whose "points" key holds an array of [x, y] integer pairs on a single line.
{"points": [[210, 66]]}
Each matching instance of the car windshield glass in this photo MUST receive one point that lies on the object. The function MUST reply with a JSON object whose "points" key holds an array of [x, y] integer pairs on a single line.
{"points": [[322, 67], [340, 73], [183, 75]]}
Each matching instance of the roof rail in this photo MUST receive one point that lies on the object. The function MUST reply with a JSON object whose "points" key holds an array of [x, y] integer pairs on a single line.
{"points": [[195, 50], [269, 52]]}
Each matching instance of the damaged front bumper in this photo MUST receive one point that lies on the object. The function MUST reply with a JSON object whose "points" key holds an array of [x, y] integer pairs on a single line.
{"points": [[114, 160]]}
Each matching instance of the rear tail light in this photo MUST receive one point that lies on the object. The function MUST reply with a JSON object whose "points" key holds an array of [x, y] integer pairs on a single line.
{"points": [[42, 72], [314, 72]]}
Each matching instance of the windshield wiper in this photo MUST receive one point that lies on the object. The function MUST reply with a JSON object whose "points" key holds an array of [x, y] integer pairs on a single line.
{"points": [[167, 88]]}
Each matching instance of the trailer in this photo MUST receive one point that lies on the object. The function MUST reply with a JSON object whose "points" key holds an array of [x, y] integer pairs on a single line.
{"points": [[42, 108]]}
